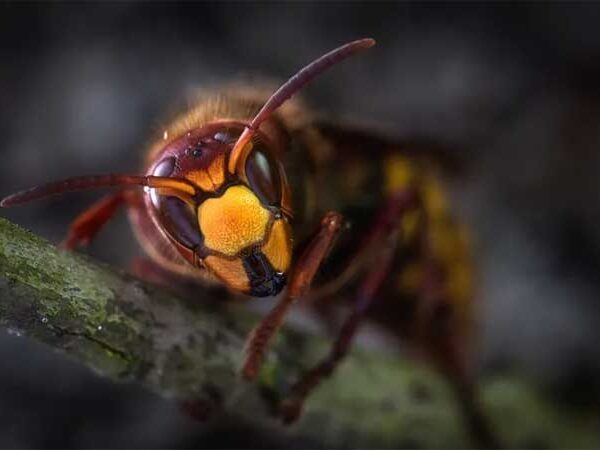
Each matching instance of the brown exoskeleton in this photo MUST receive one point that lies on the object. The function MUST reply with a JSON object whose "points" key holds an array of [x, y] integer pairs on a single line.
{"points": [[250, 191]]}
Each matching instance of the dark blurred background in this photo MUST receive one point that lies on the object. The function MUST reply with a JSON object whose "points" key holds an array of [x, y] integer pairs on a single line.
{"points": [[514, 87]]}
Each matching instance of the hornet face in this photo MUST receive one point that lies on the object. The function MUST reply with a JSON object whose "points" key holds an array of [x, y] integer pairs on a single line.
{"points": [[235, 224]]}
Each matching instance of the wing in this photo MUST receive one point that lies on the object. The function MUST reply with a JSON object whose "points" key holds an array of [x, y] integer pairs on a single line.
{"points": [[351, 138]]}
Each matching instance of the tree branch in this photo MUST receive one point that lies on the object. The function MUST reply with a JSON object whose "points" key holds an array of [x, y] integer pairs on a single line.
{"points": [[129, 331]]}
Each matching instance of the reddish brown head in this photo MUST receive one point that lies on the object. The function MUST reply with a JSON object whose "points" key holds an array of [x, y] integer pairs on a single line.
{"points": [[235, 224]]}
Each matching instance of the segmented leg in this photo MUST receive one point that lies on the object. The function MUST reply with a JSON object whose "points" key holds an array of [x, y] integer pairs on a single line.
{"points": [[302, 276], [85, 226], [368, 252], [292, 406], [385, 235]]}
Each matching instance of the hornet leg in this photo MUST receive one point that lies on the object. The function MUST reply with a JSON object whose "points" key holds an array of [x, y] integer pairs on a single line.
{"points": [[384, 234], [309, 262], [87, 224], [292, 406]]}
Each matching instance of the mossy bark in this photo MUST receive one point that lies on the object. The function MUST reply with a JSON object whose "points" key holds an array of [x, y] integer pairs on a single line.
{"points": [[129, 331]]}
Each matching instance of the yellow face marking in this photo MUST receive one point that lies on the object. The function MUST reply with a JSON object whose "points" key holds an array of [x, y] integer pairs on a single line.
{"points": [[211, 178], [278, 249], [200, 178], [231, 272], [241, 148], [171, 183], [216, 171], [233, 221]]}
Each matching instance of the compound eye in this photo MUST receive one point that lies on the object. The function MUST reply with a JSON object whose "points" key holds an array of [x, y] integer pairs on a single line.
{"points": [[164, 168], [179, 220], [263, 177]]}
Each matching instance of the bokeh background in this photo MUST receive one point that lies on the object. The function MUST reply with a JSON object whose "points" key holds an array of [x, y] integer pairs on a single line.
{"points": [[514, 87]]}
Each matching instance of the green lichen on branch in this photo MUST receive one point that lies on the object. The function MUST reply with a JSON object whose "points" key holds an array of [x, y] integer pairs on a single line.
{"points": [[129, 331]]}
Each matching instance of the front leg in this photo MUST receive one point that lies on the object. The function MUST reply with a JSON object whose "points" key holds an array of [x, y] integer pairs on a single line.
{"points": [[309, 262], [383, 238], [85, 226], [291, 407]]}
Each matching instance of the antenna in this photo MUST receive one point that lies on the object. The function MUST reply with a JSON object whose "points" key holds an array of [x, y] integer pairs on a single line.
{"points": [[95, 181], [292, 86]]}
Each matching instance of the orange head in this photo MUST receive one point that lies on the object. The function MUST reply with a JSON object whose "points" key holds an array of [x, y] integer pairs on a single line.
{"points": [[235, 224]]}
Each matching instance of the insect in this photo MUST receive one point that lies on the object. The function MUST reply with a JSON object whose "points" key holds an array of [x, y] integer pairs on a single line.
{"points": [[251, 192]]}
